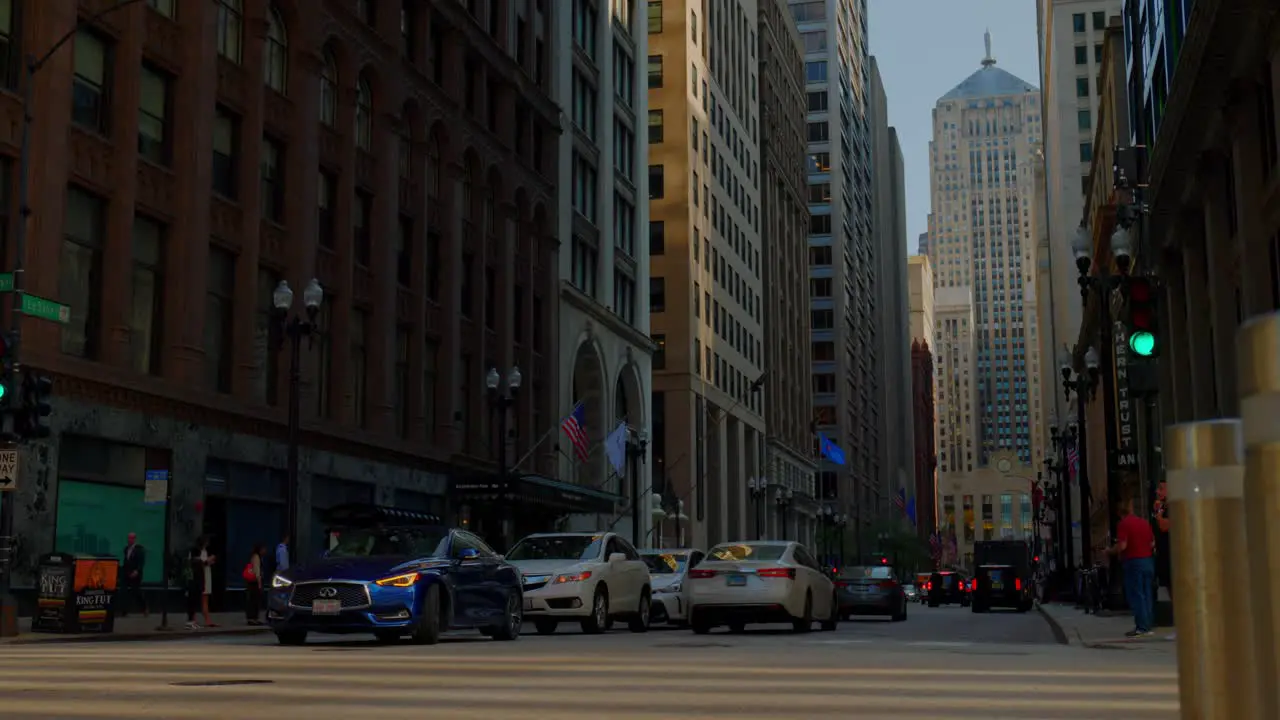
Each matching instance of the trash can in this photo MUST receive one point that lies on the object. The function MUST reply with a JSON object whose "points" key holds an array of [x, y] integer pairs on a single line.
{"points": [[76, 593]]}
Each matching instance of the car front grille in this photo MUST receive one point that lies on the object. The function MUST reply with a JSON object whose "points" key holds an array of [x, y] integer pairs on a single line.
{"points": [[534, 582], [351, 595]]}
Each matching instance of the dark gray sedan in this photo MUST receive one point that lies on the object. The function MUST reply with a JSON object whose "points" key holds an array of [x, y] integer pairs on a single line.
{"points": [[871, 590]]}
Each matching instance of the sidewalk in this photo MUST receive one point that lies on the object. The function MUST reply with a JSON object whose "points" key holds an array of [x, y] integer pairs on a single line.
{"points": [[1103, 631], [137, 627]]}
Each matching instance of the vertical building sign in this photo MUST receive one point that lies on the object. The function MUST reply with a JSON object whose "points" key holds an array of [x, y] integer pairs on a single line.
{"points": [[1126, 456]]}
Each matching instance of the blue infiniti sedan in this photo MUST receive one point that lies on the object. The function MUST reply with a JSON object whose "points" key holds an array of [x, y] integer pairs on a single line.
{"points": [[392, 582]]}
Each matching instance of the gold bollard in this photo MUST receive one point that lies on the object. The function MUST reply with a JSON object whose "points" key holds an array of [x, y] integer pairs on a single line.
{"points": [[1258, 352], [1204, 467]]}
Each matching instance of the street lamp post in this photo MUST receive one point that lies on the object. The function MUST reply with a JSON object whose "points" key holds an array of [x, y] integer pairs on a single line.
{"points": [[826, 519], [842, 520], [500, 401], [1082, 386], [757, 487], [293, 328], [637, 443], [31, 65], [783, 501]]}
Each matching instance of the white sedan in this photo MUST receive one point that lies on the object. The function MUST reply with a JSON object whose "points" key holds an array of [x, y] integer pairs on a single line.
{"points": [[588, 578], [760, 582], [668, 576]]}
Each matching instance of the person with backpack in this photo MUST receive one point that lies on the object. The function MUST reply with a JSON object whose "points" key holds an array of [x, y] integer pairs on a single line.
{"points": [[253, 585]]}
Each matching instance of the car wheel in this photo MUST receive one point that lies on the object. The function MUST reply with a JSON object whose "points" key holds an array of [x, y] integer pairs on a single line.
{"points": [[804, 623], [699, 624], [427, 631], [598, 621], [640, 623], [512, 619], [545, 627], [737, 627], [829, 625], [900, 616], [291, 637]]}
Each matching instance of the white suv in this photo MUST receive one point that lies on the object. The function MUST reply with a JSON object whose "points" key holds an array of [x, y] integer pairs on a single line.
{"points": [[589, 578]]}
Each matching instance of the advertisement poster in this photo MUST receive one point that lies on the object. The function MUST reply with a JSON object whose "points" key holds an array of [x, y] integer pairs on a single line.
{"points": [[94, 589], [52, 594]]}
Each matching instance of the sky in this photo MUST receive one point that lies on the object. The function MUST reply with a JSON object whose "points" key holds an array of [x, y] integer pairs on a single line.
{"points": [[926, 47]]}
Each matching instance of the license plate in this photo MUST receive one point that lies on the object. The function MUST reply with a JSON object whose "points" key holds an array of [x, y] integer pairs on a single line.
{"points": [[997, 585], [736, 580], [326, 607]]}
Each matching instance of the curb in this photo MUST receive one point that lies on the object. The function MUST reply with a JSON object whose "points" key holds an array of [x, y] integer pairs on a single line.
{"points": [[1059, 634], [152, 636]]}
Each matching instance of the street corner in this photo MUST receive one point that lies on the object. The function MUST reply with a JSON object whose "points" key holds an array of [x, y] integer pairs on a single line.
{"points": [[134, 634], [1050, 613]]}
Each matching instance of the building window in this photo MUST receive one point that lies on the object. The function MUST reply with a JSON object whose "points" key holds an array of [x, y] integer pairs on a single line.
{"points": [[430, 371], [820, 287], [364, 115], [1100, 19], [329, 90], [275, 58], [815, 72], [468, 299], [1082, 54], [657, 237], [230, 19], [10, 42], [1097, 53], [655, 71], [1082, 87], [219, 318], [490, 298], [404, 252], [359, 375], [164, 7], [584, 266], [1078, 22], [624, 296], [226, 131], [327, 207], [153, 110], [364, 10], [1086, 152], [361, 239], [1084, 120], [432, 253], [272, 179], [89, 94], [400, 393], [323, 355], [657, 294], [657, 183], [655, 126], [146, 316], [660, 352], [80, 271], [655, 16]]}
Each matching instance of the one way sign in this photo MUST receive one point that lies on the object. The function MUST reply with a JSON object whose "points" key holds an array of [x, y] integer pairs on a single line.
{"points": [[8, 470]]}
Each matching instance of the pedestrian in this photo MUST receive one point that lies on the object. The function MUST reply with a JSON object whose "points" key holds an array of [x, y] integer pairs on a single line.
{"points": [[1164, 558], [253, 585], [199, 583], [131, 567], [1135, 544], [282, 555]]}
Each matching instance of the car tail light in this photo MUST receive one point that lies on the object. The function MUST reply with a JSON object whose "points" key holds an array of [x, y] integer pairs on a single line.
{"points": [[777, 573], [1017, 584], [700, 574], [928, 586]]}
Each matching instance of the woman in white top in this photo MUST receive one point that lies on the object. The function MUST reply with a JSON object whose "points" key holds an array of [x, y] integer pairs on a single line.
{"points": [[200, 582]]}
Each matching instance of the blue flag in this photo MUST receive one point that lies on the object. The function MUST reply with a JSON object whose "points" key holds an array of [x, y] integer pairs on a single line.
{"points": [[830, 450], [911, 510]]}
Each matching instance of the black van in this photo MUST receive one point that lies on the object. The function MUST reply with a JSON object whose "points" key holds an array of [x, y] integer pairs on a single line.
{"points": [[947, 587], [1001, 586]]}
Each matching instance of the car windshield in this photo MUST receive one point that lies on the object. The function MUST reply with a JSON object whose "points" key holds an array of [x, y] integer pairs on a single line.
{"points": [[947, 580], [407, 542], [665, 563], [909, 588], [869, 572], [746, 552], [557, 547]]}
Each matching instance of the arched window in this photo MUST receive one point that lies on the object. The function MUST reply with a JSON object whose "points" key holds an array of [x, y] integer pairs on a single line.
{"points": [[433, 168], [275, 59], [487, 210], [467, 209], [230, 29], [364, 114], [329, 90]]}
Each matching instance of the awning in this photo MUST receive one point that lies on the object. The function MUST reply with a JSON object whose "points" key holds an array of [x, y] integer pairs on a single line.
{"points": [[534, 489], [364, 515]]}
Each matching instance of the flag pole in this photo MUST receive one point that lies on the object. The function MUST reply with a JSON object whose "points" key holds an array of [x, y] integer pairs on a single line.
{"points": [[545, 435]]}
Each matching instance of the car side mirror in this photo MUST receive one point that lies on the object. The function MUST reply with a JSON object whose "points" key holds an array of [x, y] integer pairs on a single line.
{"points": [[617, 558], [468, 554]]}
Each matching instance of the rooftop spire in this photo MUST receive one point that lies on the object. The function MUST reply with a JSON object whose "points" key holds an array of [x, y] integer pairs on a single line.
{"points": [[988, 61]]}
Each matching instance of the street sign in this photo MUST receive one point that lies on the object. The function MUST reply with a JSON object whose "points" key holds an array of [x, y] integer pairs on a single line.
{"points": [[8, 470], [6, 282], [39, 307], [155, 487]]}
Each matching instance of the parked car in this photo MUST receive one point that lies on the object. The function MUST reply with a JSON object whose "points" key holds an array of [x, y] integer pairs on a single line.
{"points": [[871, 590], [668, 575], [761, 582], [588, 578], [911, 593], [396, 581]]}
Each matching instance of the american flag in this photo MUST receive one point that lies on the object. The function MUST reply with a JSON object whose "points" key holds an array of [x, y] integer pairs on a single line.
{"points": [[1073, 462], [572, 425], [900, 499]]}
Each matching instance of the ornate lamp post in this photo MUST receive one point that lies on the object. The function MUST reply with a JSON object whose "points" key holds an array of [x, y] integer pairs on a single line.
{"points": [[637, 443], [757, 486], [783, 501], [500, 401]]}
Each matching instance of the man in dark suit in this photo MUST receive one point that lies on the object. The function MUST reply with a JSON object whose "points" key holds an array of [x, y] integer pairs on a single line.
{"points": [[131, 567]]}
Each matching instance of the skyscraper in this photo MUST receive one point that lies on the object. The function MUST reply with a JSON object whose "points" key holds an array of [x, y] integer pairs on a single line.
{"points": [[842, 262], [982, 190]]}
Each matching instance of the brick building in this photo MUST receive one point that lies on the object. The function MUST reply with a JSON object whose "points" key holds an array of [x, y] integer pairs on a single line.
{"points": [[926, 459], [400, 154]]}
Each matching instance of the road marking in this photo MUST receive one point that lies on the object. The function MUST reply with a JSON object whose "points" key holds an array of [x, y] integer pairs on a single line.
{"points": [[938, 643]]}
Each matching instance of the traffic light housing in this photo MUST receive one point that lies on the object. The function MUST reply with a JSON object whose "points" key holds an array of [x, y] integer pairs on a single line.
{"points": [[8, 378], [1144, 333], [31, 423]]}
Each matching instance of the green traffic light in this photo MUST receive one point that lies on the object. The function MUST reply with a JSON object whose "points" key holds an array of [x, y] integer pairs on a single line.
{"points": [[1142, 343], [3, 391]]}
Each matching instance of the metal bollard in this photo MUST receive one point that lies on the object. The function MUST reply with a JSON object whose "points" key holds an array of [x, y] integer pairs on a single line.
{"points": [[1258, 378], [1204, 466]]}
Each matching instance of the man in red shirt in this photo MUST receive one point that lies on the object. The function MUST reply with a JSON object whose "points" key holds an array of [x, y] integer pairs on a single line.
{"points": [[1135, 543]]}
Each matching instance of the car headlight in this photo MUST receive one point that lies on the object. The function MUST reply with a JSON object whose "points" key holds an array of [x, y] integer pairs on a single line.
{"points": [[279, 581], [400, 581], [572, 577]]}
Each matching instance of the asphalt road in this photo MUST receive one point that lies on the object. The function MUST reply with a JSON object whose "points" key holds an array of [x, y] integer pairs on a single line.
{"points": [[940, 663]]}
